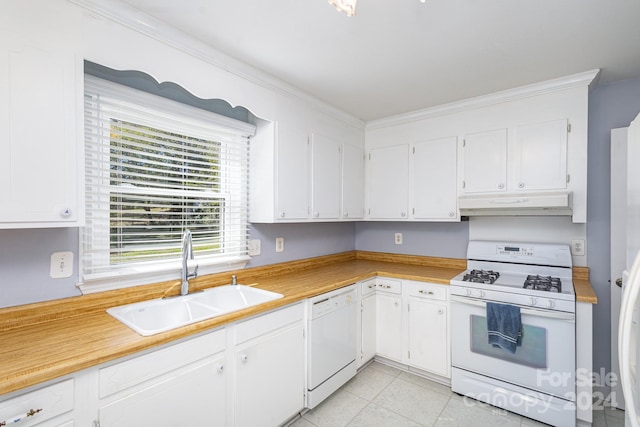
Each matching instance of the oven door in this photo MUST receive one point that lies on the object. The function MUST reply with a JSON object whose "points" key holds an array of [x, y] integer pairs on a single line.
{"points": [[544, 362]]}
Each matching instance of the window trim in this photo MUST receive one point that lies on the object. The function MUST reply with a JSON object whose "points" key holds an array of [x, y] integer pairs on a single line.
{"points": [[162, 270]]}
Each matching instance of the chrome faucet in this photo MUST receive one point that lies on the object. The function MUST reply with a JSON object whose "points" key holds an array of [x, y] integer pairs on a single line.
{"points": [[187, 254]]}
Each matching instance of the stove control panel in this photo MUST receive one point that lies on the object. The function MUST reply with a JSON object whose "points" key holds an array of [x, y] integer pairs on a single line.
{"points": [[514, 250]]}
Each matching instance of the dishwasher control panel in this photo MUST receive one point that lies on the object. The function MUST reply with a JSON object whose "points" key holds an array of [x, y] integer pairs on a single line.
{"points": [[329, 302]]}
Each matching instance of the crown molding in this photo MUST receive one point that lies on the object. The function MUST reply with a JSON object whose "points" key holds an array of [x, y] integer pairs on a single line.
{"points": [[587, 78], [123, 14]]}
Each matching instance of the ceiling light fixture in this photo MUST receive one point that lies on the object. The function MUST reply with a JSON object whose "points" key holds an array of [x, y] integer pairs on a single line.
{"points": [[346, 6]]}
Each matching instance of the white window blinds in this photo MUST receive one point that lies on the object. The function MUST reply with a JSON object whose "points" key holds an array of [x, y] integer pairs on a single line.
{"points": [[154, 168]]}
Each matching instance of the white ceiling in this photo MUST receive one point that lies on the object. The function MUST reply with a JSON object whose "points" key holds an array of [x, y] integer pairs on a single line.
{"points": [[397, 56]]}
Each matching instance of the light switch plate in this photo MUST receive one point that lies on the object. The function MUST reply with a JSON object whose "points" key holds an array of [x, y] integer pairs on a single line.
{"points": [[61, 265], [253, 247]]}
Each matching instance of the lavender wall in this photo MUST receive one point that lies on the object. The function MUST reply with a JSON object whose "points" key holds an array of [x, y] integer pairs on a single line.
{"points": [[419, 238], [25, 257], [611, 106], [301, 240]]}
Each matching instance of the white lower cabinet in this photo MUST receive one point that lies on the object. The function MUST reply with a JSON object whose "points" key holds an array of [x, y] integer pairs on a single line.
{"points": [[367, 324], [270, 363], [47, 406], [182, 384], [428, 330], [406, 322]]}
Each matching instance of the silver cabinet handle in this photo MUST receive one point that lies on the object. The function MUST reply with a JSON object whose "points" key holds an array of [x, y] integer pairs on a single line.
{"points": [[521, 185], [346, 214], [220, 368], [422, 291], [441, 311], [500, 186], [282, 214], [65, 213], [244, 358], [619, 282], [403, 214], [452, 214]]}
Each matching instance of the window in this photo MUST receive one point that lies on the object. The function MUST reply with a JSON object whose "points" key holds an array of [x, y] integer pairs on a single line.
{"points": [[153, 168]]}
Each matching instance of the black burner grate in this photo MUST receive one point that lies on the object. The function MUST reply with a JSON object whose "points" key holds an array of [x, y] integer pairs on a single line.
{"points": [[481, 276], [543, 283]]}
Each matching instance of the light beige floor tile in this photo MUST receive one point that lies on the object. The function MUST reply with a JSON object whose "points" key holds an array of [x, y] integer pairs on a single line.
{"points": [[390, 370], [337, 411], [376, 416], [417, 403], [423, 382], [368, 383], [301, 422], [528, 422], [459, 413]]}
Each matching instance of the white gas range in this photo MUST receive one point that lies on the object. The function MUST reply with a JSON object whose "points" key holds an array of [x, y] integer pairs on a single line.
{"points": [[537, 380]]}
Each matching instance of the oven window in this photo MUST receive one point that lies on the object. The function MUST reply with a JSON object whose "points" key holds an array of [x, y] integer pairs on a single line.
{"points": [[532, 352]]}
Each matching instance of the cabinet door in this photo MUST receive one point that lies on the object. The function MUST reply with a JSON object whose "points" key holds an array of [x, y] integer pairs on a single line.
{"points": [[368, 328], [428, 343], [389, 326], [388, 182], [485, 161], [293, 173], [38, 137], [540, 156], [195, 397], [270, 378], [352, 182], [435, 179], [325, 177]]}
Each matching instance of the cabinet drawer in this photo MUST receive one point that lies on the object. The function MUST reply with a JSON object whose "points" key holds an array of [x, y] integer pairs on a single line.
{"points": [[49, 401], [129, 373], [266, 323], [427, 290], [368, 287], [389, 285]]}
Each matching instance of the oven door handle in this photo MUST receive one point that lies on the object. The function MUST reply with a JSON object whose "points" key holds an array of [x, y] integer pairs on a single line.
{"points": [[561, 315]]}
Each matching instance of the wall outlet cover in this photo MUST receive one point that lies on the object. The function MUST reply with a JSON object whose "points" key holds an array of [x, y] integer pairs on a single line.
{"points": [[253, 247], [279, 244], [398, 238]]}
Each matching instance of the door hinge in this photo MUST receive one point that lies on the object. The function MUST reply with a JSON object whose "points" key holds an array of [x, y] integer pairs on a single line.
{"points": [[464, 184], [369, 156], [413, 150], [568, 127], [464, 143], [96, 423], [409, 354], [568, 178]]}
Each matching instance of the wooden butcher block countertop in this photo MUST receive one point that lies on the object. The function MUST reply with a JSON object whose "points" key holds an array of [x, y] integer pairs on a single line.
{"points": [[47, 340]]}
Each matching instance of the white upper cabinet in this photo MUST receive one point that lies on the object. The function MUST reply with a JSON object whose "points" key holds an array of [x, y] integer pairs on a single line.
{"points": [[540, 156], [388, 182], [435, 180], [39, 142], [301, 167], [325, 177], [292, 173], [535, 159], [485, 161], [352, 182]]}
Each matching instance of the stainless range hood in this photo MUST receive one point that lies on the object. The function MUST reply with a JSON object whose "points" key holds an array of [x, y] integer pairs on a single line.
{"points": [[543, 203]]}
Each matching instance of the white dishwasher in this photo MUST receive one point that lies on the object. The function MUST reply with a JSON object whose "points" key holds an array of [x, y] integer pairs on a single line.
{"points": [[331, 345]]}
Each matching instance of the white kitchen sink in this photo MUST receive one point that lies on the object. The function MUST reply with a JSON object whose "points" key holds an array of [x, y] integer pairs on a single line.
{"points": [[163, 314]]}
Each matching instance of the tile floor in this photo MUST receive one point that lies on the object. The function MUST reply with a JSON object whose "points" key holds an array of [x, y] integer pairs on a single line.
{"points": [[384, 396]]}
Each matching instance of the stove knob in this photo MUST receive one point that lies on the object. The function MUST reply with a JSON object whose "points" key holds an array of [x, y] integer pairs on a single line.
{"points": [[481, 293], [534, 301], [468, 292], [551, 303]]}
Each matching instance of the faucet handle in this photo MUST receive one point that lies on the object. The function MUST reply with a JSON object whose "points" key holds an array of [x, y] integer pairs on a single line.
{"points": [[234, 280], [194, 273]]}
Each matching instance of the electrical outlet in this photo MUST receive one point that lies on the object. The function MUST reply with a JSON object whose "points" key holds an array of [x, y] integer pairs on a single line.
{"points": [[577, 247], [398, 238], [253, 247], [61, 265], [279, 244]]}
